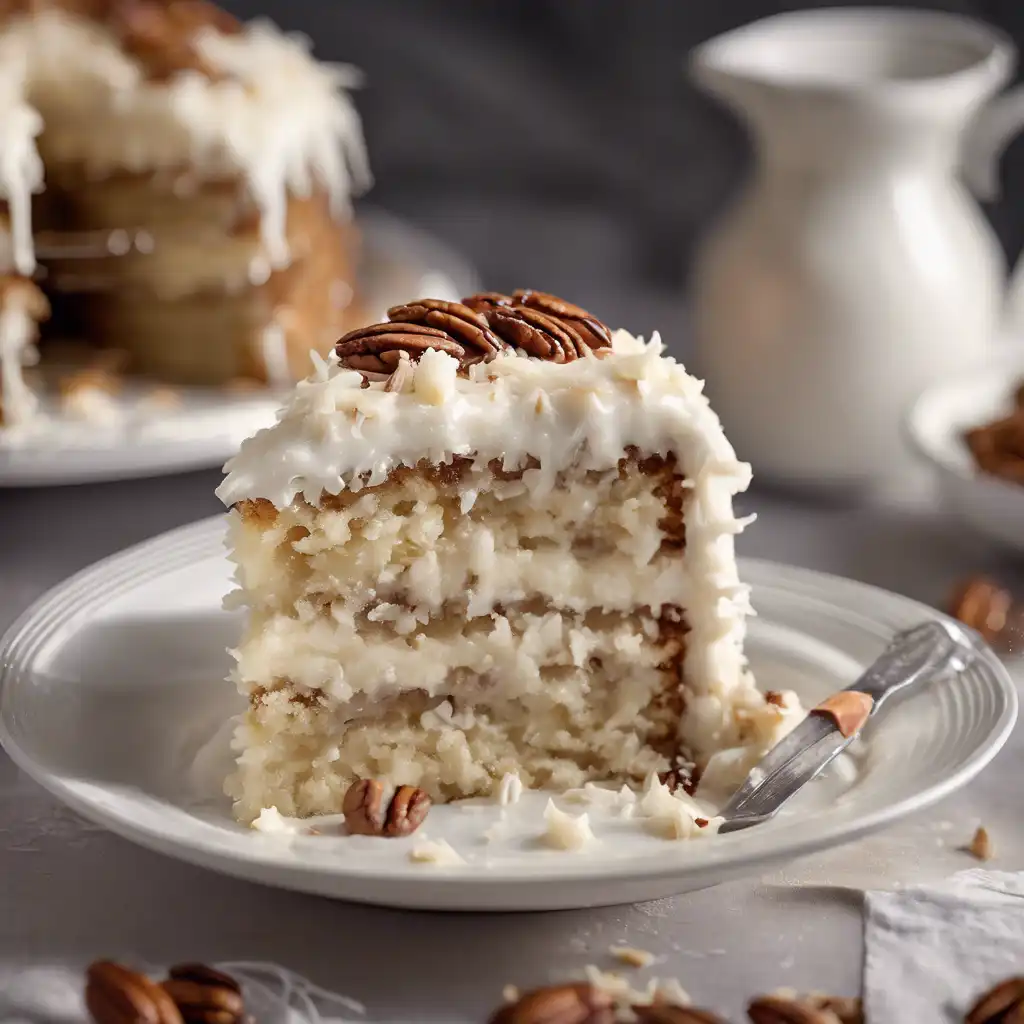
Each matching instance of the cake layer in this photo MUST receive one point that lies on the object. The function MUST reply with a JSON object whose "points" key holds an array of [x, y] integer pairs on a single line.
{"points": [[426, 537], [558, 698]]}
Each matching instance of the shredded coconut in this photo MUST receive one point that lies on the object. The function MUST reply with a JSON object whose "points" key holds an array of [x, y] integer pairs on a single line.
{"points": [[631, 956]]}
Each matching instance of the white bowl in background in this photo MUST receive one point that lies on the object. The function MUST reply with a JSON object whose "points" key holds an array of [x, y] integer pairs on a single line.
{"points": [[935, 425]]}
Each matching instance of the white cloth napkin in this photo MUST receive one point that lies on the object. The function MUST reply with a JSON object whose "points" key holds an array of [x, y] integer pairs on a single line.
{"points": [[930, 952]]}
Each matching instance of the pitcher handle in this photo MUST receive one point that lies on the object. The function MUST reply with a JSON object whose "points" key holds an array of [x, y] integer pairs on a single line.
{"points": [[993, 128], [991, 131]]}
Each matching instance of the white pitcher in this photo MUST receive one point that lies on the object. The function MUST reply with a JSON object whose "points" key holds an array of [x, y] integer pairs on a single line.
{"points": [[854, 269]]}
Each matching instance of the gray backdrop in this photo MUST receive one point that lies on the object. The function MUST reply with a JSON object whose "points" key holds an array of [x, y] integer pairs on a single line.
{"points": [[557, 142]]}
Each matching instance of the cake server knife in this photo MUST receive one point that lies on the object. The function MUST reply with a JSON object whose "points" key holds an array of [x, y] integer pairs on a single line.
{"points": [[914, 655]]}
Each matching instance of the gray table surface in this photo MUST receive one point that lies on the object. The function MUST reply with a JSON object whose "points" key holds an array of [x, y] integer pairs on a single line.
{"points": [[70, 893]]}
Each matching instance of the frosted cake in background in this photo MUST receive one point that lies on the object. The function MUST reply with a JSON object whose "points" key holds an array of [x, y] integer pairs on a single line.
{"points": [[180, 182], [486, 538]]}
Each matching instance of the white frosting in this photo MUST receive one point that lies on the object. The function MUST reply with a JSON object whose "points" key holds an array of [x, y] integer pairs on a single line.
{"points": [[21, 170], [333, 434], [279, 119], [17, 334]]}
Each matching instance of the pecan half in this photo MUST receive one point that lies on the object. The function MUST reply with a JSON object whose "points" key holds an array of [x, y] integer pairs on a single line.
{"points": [[487, 300], [536, 333], [205, 995], [661, 1013], [406, 812], [366, 815], [468, 327], [161, 36], [205, 1004], [1003, 1003], [202, 974], [115, 994], [780, 1010], [363, 807], [594, 333], [559, 1004], [379, 347], [846, 1009]]}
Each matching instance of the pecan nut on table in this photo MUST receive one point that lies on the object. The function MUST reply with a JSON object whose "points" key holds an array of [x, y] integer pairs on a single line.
{"points": [[191, 994], [992, 611]]}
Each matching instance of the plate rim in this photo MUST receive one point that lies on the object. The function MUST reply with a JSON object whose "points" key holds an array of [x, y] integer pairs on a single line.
{"points": [[184, 543]]}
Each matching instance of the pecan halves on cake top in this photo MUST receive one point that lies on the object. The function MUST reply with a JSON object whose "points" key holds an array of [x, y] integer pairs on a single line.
{"points": [[541, 324], [594, 333], [475, 330], [379, 347], [466, 326], [161, 35], [536, 333]]}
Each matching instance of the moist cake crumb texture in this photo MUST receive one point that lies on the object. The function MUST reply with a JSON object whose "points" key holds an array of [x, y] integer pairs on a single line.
{"points": [[515, 567]]}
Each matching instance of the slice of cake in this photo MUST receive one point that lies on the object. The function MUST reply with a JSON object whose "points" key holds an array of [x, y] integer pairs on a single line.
{"points": [[488, 538]]}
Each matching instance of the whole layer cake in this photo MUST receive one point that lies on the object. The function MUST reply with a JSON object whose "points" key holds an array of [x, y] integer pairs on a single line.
{"points": [[488, 538], [185, 181]]}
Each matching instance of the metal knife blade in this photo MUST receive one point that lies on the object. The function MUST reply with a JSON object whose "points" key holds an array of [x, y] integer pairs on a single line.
{"points": [[914, 655]]}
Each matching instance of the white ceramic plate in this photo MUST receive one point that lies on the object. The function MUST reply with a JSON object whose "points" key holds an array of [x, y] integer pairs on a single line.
{"points": [[139, 437], [935, 426], [113, 700]]}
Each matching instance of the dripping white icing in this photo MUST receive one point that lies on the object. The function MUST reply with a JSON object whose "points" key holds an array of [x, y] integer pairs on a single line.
{"points": [[17, 334]]}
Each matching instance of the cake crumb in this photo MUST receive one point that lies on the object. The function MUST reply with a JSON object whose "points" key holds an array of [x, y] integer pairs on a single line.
{"points": [[435, 851], [566, 831], [981, 845], [510, 993], [667, 991], [632, 957], [671, 992]]}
